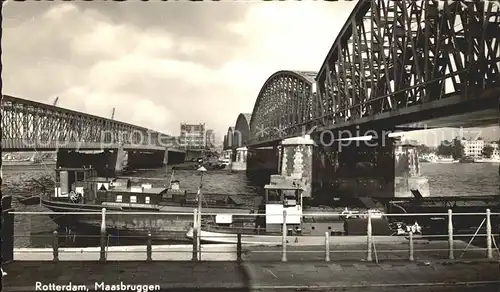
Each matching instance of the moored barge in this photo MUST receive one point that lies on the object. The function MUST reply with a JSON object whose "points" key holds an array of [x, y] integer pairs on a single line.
{"points": [[349, 226], [304, 226], [79, 191]]}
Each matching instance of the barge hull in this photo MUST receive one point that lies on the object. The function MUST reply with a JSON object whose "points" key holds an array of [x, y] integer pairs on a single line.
{"points": [[163, 226]]}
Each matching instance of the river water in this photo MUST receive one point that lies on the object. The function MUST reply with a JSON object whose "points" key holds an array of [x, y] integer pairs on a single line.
{"points": [[35, 230]]}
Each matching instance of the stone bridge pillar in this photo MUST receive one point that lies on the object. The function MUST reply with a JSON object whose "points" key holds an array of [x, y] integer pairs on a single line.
{"points": [[408, 178], [227, 154], [106, 162], [296, 161], [138, 159], [240, 163], [173, 157]]}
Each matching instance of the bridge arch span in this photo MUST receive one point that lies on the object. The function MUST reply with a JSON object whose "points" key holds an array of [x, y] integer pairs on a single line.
{"points": [[283, 105], [229, 138], [242, 130]]}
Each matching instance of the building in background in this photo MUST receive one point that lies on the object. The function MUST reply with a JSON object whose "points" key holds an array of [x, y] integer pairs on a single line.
{"points": [[473, 148], [192, 136], [496, 149], [210, 139]]}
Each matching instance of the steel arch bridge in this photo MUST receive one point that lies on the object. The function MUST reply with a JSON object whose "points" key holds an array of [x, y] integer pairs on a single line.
{"points": [[28, 125], [239, 135], [241, 132], [394, 62], [284, 102]]}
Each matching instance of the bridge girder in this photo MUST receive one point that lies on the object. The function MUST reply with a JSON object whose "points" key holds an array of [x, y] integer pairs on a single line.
{"points": [[241, 132], [37, 123], [284, 101], [390, 56]]}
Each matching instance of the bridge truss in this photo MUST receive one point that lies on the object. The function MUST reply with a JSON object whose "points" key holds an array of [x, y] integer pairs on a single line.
{"points": [[284, 102], [389, 56], [29, 125]]}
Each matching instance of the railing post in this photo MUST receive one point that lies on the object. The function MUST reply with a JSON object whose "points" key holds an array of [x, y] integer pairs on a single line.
{"points": [[450, 235], [369, 239], [55, 246], [488, 235], [327, 246], [195, 236], [284, 233], [238, 248], [102, 257], [149, 249], [198, 238], [410, 234]]}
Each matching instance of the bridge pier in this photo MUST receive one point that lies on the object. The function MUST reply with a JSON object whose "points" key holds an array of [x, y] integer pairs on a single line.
{"points": [[407, 176], [173, 157], [146, 159], [105, 162], [262, 162], [227, 154], [380, 167], [296, 162], [240, 161]]}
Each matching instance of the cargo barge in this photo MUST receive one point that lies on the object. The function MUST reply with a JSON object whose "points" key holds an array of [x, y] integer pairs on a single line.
{"points": [[350, 225], [79, 190]]}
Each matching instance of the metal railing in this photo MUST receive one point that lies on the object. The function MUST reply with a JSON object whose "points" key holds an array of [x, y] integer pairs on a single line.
{"points": [[369, 247]]}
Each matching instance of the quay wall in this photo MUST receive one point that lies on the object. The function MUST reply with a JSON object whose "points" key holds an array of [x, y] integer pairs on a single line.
{"points": [[212, 252]]}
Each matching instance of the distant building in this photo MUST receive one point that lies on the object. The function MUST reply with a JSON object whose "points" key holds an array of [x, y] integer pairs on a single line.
{"points": [[496, 149], [473, 148], [192, 136], [210, 139]]}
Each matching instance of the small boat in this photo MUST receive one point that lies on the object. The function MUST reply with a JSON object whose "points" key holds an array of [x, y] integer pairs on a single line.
{"points": [[447, 160], [302, 227], [80, 190]]}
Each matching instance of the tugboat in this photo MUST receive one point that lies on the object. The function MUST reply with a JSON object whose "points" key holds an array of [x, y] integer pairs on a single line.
{"points": [[80, 190], [302, 228]]}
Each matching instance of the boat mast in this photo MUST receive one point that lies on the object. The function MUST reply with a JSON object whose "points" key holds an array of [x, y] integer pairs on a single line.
{"points": [[199, 194]]}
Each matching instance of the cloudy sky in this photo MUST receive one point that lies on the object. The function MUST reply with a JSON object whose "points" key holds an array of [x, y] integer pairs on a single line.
{"points": [[160, 64]]}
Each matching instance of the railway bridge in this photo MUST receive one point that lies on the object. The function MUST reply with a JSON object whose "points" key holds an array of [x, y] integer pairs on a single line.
{"points": [[395, 66], [83, 139]]}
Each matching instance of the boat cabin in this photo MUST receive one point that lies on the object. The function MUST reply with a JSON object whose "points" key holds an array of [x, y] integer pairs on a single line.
{"points": [[135, 197], [278, 199], [78, 184], [83, 186]]}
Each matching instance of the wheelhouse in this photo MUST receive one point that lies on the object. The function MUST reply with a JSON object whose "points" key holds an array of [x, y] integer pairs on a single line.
{"points": [[283, 198], [78, 183]]}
